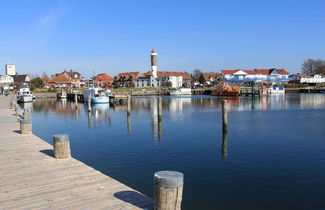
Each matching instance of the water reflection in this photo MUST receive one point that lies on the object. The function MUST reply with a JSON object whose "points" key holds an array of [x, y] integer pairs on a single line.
{"points": [[224, 144], [174, 106]]}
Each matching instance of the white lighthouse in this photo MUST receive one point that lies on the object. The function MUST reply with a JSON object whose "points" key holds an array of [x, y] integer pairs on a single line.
{"points": [[154, 63]]}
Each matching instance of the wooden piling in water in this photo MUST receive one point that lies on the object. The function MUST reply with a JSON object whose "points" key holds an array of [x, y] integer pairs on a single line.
{"points": [[129, 104], [25, 126], [224, 116], [168, 190], [61, 146]]}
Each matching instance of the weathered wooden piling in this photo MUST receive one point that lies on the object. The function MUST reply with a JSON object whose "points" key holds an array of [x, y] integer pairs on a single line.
{"points": [[25, 126], [224, 116], [27, 115], [61, 146], [129, 104], [89, 104], [168, 190]]}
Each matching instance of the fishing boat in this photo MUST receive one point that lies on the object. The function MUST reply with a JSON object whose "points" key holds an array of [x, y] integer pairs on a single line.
{"points": [[97, 95], [24, 95], [181, 91], [224, 89]]}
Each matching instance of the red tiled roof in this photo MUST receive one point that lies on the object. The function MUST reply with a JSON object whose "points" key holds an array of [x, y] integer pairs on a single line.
{"points": [[127, 75], [61, 78], [209, 75], [249, 71], [282, 71], [263, 71], [104, 77], [170, 73], [229, 71]]}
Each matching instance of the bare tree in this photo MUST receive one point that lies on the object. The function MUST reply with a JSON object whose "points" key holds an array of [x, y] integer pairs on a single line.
{"points": [[311, 66], [197, 73]]}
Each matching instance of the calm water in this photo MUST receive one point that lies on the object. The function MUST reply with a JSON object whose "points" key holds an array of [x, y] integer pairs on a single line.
{"points": [[272, 158]]}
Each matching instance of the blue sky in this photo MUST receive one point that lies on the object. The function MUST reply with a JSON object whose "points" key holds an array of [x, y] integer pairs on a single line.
{"points": [[117, 36]]}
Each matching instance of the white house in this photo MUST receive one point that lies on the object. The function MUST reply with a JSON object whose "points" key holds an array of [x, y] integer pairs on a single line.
{"points": [[6, 80], [257, 75], [317, 78]]}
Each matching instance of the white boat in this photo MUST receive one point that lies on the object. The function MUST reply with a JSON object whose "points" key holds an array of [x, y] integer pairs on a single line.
{"points": [[24, 95], [181, 91], [97, 95], [276, 90]]}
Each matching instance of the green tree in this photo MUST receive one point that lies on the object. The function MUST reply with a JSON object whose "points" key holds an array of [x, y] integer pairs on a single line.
{"points": [[37, 82], [166, 84]]}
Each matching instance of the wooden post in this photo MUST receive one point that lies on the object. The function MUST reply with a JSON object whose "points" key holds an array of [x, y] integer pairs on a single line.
{"points": [[168, 190], [89, 104], [61, 146], [129, 104], [224, 116], [159, 108], [25, 126]]}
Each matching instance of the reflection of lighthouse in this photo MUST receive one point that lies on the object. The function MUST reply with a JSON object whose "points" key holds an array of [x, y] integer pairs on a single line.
{"points": [[156, 111], [153, 67]]}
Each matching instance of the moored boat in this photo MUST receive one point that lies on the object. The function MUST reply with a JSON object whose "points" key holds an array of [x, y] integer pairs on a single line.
{"points": [[24, 95], [181, 91], [97, 96], [224, 89]]}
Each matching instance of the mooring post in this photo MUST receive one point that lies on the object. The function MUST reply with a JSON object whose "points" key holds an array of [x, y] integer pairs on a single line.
{"points": [[224, 116], [27, 115], [89, 104], [159, 108], [61, 146], [168, 190], [129, 104], [25, 126]]}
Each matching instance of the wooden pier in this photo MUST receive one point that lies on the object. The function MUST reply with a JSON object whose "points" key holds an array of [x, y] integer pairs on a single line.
{"points": [[31, 178]]}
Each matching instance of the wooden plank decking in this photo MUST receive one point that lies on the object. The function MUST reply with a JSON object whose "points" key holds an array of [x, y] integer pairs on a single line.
{"points": [[30, 178]]}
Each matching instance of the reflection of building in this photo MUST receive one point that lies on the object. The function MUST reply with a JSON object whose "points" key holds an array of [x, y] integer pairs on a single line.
{"points": [[156, 112]]}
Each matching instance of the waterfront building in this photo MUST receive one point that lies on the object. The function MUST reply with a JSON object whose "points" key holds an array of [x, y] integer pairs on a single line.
{"points": [[104, 80], [240, 76], [5, 82], [317, 78], [212, 77], [21, 79], [74, 76], [126, 79], [61, 81], [10, 69], [155, 78]]}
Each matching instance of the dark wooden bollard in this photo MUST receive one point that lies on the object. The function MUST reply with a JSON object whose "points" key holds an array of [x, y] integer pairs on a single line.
{"points": [[224, 116], [168, 190], [61, 146], [25, 126]]}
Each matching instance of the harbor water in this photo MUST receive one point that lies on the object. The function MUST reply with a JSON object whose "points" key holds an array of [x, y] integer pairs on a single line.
{"points": [[272, 158]]}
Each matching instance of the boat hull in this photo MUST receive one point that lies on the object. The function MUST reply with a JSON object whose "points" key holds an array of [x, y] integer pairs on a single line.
{"points": [[100, 100], [25, 99]]}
